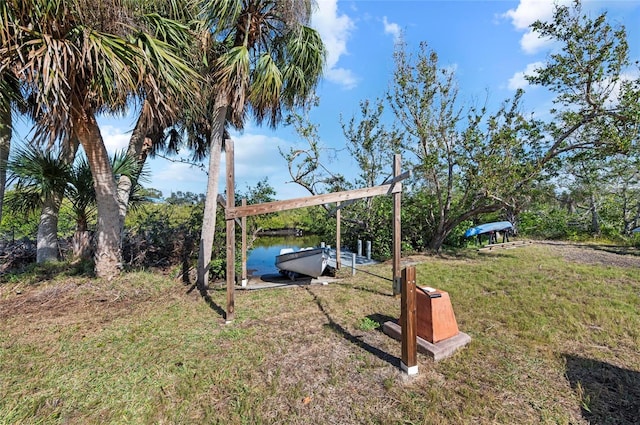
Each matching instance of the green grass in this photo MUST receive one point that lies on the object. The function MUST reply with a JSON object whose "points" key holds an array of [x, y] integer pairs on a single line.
{"points": [[552, 342]]}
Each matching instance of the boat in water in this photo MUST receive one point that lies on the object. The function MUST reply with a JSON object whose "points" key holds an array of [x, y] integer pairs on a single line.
{"points": [[307, 261]]}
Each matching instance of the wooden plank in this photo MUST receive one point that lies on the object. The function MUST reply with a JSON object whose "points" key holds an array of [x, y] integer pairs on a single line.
{"points": [[231, 232], [244, 245], [408, 318], [505, 245], [327, 198], [338, 239], [393, 180], [397, 231]]}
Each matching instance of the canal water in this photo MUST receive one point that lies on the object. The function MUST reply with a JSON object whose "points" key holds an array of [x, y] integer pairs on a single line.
{"points": [[261, 259]]}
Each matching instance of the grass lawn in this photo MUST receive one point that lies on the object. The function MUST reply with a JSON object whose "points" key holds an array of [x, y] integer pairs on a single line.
{"points": [[555, 339]]}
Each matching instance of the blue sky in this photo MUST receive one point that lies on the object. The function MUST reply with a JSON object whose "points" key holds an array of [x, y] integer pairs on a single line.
{"points": [[487, 43]]}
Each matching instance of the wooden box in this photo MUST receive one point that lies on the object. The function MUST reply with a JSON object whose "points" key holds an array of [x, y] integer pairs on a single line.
{"points": [[435, 318]]}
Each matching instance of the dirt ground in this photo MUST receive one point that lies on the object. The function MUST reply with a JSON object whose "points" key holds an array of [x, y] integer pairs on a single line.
{"points": [[596, 254]]}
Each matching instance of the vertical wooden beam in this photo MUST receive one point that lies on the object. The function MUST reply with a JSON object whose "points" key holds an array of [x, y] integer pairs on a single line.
{"points": [[408, 321], [244, 246], [231, 231], [338, 237], [397, 197]]}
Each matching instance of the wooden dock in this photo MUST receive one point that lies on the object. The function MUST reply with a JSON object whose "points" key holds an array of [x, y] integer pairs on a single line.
{"points": [[505, 245]]}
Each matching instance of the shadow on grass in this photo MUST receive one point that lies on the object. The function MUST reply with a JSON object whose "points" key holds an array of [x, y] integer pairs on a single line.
{"points": [[381, 319], [337, 328], [207, 298], [610, 394]]}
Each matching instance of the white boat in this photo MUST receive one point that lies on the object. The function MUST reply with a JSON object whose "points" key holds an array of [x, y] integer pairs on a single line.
{"points": [[307, 261]]}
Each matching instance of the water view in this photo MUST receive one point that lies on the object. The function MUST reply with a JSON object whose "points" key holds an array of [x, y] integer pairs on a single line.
{"points": [[261, 259]]}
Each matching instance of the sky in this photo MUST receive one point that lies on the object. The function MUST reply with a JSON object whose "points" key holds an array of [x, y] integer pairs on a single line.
{"points": [[487, 43]]}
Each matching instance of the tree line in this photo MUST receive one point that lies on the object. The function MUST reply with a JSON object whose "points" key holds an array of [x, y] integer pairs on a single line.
{"points": [[191, 70], [472, 164]]}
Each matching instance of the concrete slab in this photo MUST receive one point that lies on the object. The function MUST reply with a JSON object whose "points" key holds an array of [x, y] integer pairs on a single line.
{"points": [[438, 351], [277, 280]]}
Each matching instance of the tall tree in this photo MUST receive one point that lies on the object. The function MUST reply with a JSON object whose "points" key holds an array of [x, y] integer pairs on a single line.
{"points": [[466, 161], [498, 158], [588, 76], [77, 59], [265, 59], [372, 146], [175, 24]]}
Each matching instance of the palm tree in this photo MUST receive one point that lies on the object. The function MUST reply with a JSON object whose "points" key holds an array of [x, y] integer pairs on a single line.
{"points": [[40, 181], [264, 58], [81, 194], [173, 23], [77, 59]]}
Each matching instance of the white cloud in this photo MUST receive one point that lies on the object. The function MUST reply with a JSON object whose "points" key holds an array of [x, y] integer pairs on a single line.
{"points": [[518, 81], [342, 76], [532, 43], [527, 12], [258, 156], [392, 28], [115, 139], [335, 30], [168, 177]]}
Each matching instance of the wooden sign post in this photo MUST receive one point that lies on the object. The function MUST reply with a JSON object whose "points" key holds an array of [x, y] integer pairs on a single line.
{"points": [[231, 231], [244, 247], [409, 322], [397, 233]]}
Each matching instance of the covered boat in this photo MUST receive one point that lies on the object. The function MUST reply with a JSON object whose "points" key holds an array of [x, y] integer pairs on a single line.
{"points": [[307, 261], [498, 226]]}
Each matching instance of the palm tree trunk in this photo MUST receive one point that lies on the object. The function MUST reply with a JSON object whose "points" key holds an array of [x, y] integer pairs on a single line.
{"points": [[210, 203], [47, 248], [108, 238], [5, 145], [47, 239], [81, 241], [140, 144]]}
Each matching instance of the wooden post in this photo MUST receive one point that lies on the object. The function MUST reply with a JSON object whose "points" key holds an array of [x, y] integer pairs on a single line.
{"points": [[244, 246], [397, 196], [231, 232], [338, 253], [408, 322]]}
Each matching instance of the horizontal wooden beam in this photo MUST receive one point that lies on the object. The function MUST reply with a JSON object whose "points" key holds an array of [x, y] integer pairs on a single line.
{"points": [[222, 201], [391, 181], [309, 201]]}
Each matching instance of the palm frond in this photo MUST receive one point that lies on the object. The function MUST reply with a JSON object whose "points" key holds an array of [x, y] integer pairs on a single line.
{"points": [[219, 15], [233, 76], [124, 164], [303, 61], [37, 175], [265, 90]]}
